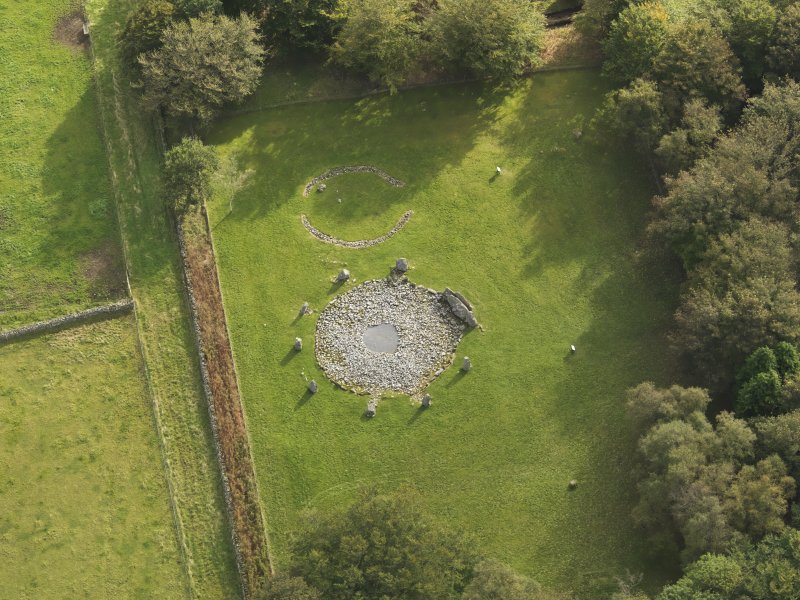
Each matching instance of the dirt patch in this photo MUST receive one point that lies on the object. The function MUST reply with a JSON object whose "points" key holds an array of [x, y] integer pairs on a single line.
{"points": [[568, 47], [69, 31], [104, 270]]}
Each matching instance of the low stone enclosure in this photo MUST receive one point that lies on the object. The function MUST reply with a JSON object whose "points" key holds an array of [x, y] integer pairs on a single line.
{"points": [[335, 172], [389, 335]]}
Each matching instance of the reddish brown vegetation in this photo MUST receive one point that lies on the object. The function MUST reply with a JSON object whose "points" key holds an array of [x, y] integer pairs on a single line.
{"points": [[226, 409]]}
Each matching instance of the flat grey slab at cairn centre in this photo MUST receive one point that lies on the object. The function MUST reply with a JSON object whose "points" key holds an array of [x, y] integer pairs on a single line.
{"points": [[354, 342]]}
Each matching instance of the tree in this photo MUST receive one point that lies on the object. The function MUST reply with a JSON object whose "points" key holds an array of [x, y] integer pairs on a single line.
{"points": [[144, 27], [499, 39], [768, 571], [495, 581], [383, 546], [203, 63], [752, 22], [188, 169], [291, 23], [634, 40], [194, 8], [741, 296], [647, 405], [634, 115], [760, 396], [781, 435], [787, 360], [696, 61], [286, 587], [379, 38], [738, 178], [784, 50], [679, 149]]}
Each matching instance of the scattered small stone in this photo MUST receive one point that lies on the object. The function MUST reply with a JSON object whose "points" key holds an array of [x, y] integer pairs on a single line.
{"points": [[343, 275], [312, 387], [573, 349], [466, 365], [305, 309], [401, 265], [372, 407], [426, 401], [322, 187], [298, 344], [573, 484]]}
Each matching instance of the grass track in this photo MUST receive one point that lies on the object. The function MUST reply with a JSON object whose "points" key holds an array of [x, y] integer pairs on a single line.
{"points": [[162, 318], [546, 252], [58, 238], [84, 511]]}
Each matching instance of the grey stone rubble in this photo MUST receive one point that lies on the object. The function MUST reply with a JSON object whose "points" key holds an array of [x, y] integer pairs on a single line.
{"points": [[106, 311], [351, 169], [466, 365], [329, 239], [343, 275], [312, 387], [460, 307], [401, 266], [298, 344], [428, 330], [372, 407]]}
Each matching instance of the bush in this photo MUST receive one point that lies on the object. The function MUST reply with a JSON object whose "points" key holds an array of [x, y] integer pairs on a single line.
{"points": [[188, 168], [499, 39]]}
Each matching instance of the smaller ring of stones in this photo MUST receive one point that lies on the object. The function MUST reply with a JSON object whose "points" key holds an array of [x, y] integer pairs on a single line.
{"points": [[427, 329]]}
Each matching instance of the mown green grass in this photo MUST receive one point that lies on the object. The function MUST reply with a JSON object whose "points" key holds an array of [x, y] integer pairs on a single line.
{"points": [[162, 317], [84, 510], [548, 254], [58, 236]]}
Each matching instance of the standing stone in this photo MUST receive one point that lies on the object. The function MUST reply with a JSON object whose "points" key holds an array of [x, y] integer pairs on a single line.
{"points": [[573, 484], [343, 276], [498, 170], [401, 266], [372, 407], [298, 344], [312, 387], [573, 349], [466, 365], [305, 310], [426, 401]]}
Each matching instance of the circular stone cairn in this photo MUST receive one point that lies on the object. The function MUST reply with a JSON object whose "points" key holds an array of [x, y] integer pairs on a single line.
{"points": [[387, 336]]}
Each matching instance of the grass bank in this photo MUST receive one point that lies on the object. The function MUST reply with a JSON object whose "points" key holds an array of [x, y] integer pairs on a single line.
{"points": [[162, 318]]}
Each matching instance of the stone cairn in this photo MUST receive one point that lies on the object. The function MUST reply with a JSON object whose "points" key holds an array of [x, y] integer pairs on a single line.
{"points": [[298, 344]]}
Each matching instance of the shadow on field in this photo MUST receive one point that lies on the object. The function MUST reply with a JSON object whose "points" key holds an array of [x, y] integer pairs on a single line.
{"points": [[287, 147]]}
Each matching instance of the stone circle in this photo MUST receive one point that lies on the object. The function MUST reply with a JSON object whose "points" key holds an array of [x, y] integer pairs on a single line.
{"points": [[427, 335]]}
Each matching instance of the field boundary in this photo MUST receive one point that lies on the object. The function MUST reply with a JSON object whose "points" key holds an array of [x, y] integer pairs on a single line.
{"points": [[228, 422], [98, 313]]}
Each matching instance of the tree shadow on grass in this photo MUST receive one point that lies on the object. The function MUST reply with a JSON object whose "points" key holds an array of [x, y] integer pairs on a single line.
{"points": [[288, 146]]}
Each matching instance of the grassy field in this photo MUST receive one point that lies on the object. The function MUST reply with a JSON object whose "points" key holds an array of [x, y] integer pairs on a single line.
{"points": [[84, 511], [58, 235], [547, 253]]}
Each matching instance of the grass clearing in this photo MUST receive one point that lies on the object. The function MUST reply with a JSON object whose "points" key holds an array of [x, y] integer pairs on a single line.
{"points": [[84, 511], [58, 235], [546, 252]]}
